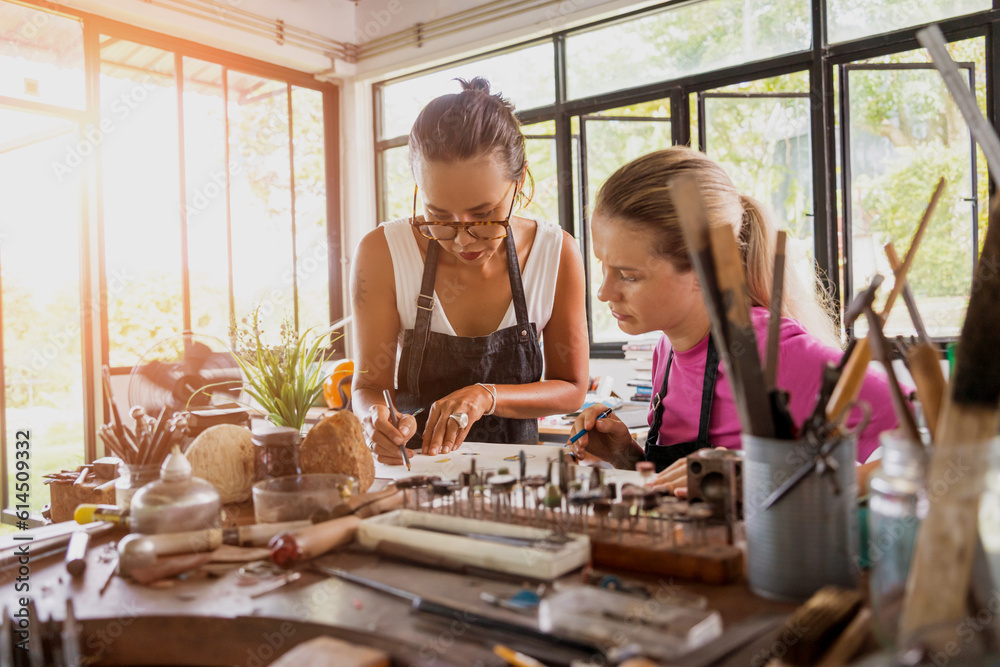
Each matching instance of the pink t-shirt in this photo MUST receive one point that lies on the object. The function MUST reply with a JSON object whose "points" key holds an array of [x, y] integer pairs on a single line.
{"points": [[801, 359]]}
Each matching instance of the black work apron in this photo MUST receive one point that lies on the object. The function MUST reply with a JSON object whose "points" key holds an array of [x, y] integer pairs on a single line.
{"points": [[663, 456], [433, 365]]}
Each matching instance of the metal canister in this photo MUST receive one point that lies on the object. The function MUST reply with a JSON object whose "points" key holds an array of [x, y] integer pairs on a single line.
{"points": [[809, 538], [177, 502]]}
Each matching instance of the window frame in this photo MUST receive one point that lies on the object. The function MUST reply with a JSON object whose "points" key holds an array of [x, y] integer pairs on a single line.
{"points": [[94, 330], [820, 61], [846, 175]]}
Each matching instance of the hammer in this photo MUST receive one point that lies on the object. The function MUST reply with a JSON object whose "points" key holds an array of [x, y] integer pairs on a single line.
{"points": [[882, 351]]}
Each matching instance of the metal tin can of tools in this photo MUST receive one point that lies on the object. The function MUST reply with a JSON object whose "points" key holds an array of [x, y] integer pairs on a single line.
{"points": [[809, 538]]}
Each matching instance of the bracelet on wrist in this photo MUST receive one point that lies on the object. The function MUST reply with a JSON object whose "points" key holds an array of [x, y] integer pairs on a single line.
{"points": [[491, 389]]}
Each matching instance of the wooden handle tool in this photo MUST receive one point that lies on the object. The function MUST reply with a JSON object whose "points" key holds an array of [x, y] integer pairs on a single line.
{"points": [[939, 579], [746, 376], [774, 323], [698, 235], [289, 549], [857, 365], [922, 359], [695, 227]]}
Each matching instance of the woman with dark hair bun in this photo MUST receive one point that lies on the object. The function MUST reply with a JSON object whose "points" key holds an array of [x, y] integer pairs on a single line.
{"points": [[452, 304]]}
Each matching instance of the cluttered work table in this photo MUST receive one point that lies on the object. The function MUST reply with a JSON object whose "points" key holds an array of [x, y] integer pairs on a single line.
{"points": [[523, 584]]}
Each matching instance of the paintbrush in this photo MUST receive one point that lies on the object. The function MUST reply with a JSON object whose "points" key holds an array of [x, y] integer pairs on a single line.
{"points": [[774, 323], [784, 425], [853, 375], [695, 226], [939, 577], [698, 235], [747, 377], [119, 432], [921, 358]]}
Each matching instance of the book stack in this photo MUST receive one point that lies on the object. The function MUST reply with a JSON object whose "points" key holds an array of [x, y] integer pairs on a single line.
{"points": [[639, 357]]}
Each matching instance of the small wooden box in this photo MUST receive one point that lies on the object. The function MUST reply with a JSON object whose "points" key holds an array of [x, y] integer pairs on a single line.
{"points": [[67, 496]]}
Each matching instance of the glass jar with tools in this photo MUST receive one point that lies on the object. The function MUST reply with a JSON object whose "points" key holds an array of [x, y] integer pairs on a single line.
{"points": [[897, 502], [276, 452], [131, 478]]}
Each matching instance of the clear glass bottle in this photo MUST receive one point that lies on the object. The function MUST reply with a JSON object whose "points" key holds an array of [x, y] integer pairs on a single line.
{"points": [[131, 478], [897, 502]]}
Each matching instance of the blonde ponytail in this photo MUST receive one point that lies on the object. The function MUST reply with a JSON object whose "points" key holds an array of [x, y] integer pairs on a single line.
{"points": [[800, 300], [638, 194]]}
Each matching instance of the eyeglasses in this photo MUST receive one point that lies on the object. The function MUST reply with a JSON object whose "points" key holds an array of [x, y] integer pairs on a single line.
{"points": [[485, 230]]}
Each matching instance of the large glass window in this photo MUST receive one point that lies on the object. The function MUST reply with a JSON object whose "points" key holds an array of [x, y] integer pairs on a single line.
{"points": [[205, 207], [397, 183], [609, 140], [263, 258], [189, 188], [525, 76], [142, 233], [40, 306], [312, 270], [759, 131], [903, 133], [886, 130], [684, 40], [540, 150], [853, 19]]}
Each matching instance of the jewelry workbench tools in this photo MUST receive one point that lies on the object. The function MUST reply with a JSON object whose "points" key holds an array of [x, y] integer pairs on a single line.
{"points": [[568, 515]]}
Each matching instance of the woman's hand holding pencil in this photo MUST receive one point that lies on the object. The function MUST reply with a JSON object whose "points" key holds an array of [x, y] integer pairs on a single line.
{"points": [[599, 432]]}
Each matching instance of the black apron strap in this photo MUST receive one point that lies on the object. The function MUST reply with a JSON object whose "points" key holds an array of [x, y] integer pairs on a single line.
{"points": [[422, 327], [708, 393], [664, 456], [516, 286], [654, 428]]}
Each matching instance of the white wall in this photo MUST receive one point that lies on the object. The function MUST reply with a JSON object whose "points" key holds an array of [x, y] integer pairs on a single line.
{"points": [[509, 22], [333, 19]]}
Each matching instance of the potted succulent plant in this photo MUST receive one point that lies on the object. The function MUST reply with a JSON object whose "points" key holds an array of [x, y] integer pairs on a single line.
{"points": [[285, 379]]}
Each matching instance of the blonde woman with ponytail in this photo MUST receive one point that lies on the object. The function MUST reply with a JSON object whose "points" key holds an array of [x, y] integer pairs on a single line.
{"points": [[649, 285]]}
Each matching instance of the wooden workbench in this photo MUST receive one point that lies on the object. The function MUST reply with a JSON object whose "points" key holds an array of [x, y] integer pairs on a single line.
{"points": [[202, 620]]}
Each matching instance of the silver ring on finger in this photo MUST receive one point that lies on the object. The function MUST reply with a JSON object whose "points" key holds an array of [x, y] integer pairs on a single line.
{"points": [[460, 418]]}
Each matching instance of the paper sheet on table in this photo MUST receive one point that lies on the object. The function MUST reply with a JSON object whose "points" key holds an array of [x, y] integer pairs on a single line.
{"points": [[489, 457]]}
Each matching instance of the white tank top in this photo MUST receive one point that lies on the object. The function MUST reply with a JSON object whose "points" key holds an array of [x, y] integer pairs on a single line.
{"points": [[538, 277]]}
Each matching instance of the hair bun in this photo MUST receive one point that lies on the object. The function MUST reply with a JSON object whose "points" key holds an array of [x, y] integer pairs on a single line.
{"points": [[477, 84]]}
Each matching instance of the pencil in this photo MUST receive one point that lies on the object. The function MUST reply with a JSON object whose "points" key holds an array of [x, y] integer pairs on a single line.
{"points": [[395, 424], [579, 434], [514, 658]]}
